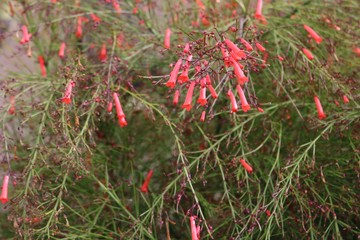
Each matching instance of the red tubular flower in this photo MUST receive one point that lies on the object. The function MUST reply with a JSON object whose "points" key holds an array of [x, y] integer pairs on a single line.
{"points": [[186, 48], [308, 54], [200, 4], [313, 34], [79, 31], [119, 111], [225, 55], [208, 80], [320, 110], [246, 44], [95, 18], [244, 104], [239, 53], [236, 57], [183, 78], [67, 95], [260, 109], [4, 193], [116, 6], [102, 55], [260, 47], [12, 105], [280, 58], [202, 96], [173, 75], [42, 66], [247, 167], [110, 107], [212, 91], [167, 38], [258, 13], [176, 97], [202, 118], [345, 98], [194, 231], [188, 98], [239, 73], [62, 50], [26, 36], [234, 106], [145, 186]]}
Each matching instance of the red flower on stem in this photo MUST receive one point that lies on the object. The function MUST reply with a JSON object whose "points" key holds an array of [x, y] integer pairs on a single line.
{"points": [[260, 47], [176, 97], [226, 56], [234, 106], [167, 38], [79, 31], [102, 55], [319, 108], [188, 98], [258, 13], [239, 53], [244, 104], [202, 96], [212, 91], [194, 230], [110, 107], [42, 66], [62, 50], [183, 78], [246, 44], [145, 186], [173, 75], [203, 114], [345, 98], [239, 73], [4, 193], [313, 34], [247, 167], [67, 95], [119, 111], [308, 54], [116, 6], [26, 36], [12, 105], [186, 48]]}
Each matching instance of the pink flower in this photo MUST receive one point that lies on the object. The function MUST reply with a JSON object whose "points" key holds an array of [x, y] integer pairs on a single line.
{"points": [[4, 193], [234, 106], [260, 47], [188, 98], [246, 44], [194, 230], [167, 38], [79, 31], [42, 66], [176, 97], [12, 105], [258, 13], [202, 96], [226, 56], [145, 186], [247, 167], [244, 104], [202, 118], [212, 91], [173, 75], [119, 111], [308, 54], [102, 55], [320, 110], [186, 48], [26, 36], [62, 50], [345, 98], [239, 53], [239, 73], [313, 34], [67, 95], [110, 107]]}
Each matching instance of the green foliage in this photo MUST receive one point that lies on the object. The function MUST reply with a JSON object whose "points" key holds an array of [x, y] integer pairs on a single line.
{"points": [[78, 173]]}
